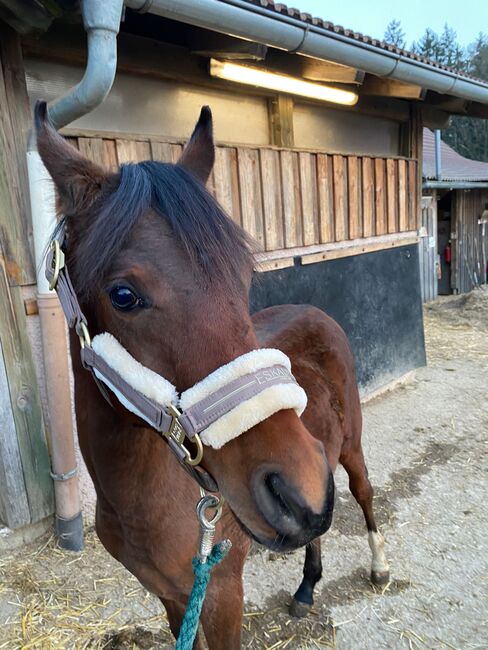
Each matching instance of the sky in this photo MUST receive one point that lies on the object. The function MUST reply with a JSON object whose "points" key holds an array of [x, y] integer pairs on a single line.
{"points": [[467, 17]]}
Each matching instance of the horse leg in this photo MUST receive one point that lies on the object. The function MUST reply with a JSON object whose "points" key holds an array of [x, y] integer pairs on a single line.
{"points": [[175, 612], [312, 572], [222, 613], [362, 491]]}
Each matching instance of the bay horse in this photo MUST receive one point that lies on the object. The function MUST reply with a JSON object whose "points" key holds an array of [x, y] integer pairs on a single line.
{"points": [[155, 262]]}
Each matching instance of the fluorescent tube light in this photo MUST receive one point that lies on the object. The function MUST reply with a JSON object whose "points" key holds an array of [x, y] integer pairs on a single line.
{"points": [[280, 83]]}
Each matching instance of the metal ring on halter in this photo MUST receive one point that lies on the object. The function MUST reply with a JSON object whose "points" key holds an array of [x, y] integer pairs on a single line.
{"points": [[206, 502], [58, 263], [84, 335]]}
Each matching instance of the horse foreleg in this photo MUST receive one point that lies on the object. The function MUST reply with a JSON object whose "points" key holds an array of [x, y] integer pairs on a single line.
{"points": [[312, 572], [175, 612], [222, 612], [362, 491]]}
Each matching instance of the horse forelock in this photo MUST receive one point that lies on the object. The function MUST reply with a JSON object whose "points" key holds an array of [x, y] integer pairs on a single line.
{"points": [[216, 246]]}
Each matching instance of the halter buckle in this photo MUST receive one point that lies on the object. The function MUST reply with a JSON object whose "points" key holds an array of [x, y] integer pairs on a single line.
{"points": [[177, 434], [57, 263]]}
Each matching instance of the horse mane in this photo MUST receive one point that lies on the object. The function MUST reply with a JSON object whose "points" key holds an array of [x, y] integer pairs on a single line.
{"points": [[217, 247]]}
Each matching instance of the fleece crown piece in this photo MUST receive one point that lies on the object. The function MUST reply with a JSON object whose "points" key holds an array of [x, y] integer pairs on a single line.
{"points": [[223, 405]]}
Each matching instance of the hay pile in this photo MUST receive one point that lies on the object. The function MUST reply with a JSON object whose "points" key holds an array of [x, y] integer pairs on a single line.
{"points": [[51, 599], [457, 326]]}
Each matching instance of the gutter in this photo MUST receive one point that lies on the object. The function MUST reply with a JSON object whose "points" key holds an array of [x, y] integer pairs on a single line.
{"points": [[101, 21], [454, 185], [253, 22]]}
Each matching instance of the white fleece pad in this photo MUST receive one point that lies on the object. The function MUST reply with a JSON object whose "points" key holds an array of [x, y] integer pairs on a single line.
{"points": [[249, 413], [144, 380], [255, 410]]}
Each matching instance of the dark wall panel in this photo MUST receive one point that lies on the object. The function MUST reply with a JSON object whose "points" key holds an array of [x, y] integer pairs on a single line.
{"points": [[375, 297]]}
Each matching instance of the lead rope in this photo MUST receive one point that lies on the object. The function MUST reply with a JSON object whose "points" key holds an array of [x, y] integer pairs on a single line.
{"points": [[208, 557]]}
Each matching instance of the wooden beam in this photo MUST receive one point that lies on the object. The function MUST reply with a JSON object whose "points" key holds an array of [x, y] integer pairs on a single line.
{"points": [[314, 69], [391, 88], [222, 46], [280, 110]]}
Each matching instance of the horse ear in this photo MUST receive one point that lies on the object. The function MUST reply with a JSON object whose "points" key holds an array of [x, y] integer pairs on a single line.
{"points": [[78, 180], [198, 157]]}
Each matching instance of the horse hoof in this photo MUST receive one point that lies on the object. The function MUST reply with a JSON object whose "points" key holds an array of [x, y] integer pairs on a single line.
{"points": [[299, 609], [380, 578]]}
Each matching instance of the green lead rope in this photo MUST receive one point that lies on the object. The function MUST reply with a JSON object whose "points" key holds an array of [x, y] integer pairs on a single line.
{"points": [[189, 625]]}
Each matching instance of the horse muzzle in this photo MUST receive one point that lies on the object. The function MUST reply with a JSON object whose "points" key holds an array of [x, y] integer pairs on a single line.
{"points": [[287, 511]]}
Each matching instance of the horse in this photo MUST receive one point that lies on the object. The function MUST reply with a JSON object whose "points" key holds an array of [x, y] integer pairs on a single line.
{"points": [[156, 262]]}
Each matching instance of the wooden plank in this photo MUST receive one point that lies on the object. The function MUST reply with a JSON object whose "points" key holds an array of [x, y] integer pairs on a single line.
{"points": [[392, 195], [325, 191], [413, 217], [110, 159], [402, 196], [308, 192], [226, 181], [368, 197], [340, 198], [272, 199], [280, 110], [24, 400], [391, 88], [358, 248], [251, 199], [380, 203], [14, 505], [15, 125], [132, 151], [93, 149], [290, 180], [354, 197]]}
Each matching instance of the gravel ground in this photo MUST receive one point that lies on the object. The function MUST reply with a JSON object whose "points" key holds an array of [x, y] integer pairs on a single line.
{"points": [[426, 448]]}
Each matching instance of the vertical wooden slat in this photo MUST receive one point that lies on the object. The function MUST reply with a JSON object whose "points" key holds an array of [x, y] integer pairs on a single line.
{"points": [[325, 197], [368, 198], [340, 198], [291, 199], [132, 151], [162, 152], [15, 124], [308, 187], [251, 199], [226, 181], [402, 196], [93, 149], [280, 112], [272, 199], [354, 198], [380, 203], [391, 195], [110, 155], [412, 196]]}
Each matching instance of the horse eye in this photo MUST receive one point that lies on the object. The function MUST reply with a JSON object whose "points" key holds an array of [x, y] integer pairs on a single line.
{"points": [[124, 298]]}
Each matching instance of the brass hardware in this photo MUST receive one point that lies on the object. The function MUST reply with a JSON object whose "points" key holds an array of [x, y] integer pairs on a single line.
{"points": [[58, 263], [84, 336], [177, 434]]}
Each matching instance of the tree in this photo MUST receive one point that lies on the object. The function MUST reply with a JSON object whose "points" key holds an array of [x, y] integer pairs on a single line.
{"points": [[394, 34], [428, 45]]}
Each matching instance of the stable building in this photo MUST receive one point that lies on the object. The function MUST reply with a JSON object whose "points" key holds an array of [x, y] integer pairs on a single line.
{"points": [[454, 236]]}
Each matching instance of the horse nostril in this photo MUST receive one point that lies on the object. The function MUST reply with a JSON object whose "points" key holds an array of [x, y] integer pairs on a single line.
{"points": [[280, 494]]}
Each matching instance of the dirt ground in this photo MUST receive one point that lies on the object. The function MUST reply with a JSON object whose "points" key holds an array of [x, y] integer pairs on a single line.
{"points": [[426, 445]]}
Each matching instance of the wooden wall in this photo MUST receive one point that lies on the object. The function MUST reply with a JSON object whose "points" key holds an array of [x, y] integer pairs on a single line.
{"points": [[289, 199], [25, 485], [468, 265]]}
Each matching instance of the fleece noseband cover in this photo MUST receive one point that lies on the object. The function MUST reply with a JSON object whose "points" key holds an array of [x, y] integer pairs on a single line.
{"points": [[263, 375]]}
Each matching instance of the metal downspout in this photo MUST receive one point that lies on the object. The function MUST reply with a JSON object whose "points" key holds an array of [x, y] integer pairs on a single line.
{"points": [[438, 159], [101, 21], [252, 22]]}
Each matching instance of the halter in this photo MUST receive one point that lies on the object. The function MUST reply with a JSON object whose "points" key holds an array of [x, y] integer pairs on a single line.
{"points": [[219, 408]]}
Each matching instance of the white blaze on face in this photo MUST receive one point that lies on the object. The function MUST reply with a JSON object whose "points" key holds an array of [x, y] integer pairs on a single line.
{"points": [[377, 545]]}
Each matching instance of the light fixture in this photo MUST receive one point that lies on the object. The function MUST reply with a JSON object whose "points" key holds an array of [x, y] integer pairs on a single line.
{"points": [[280, 83]]}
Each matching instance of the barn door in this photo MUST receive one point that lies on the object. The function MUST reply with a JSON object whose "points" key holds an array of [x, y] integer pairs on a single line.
{"points": [[428, 249]]}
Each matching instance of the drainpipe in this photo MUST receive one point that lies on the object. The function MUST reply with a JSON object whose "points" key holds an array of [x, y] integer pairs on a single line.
{"points": [[254, 22], [438, 158], [101, 21]]}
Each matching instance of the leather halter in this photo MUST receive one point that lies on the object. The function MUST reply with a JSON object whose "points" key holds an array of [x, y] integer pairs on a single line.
{"points": [[173, 426]]}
